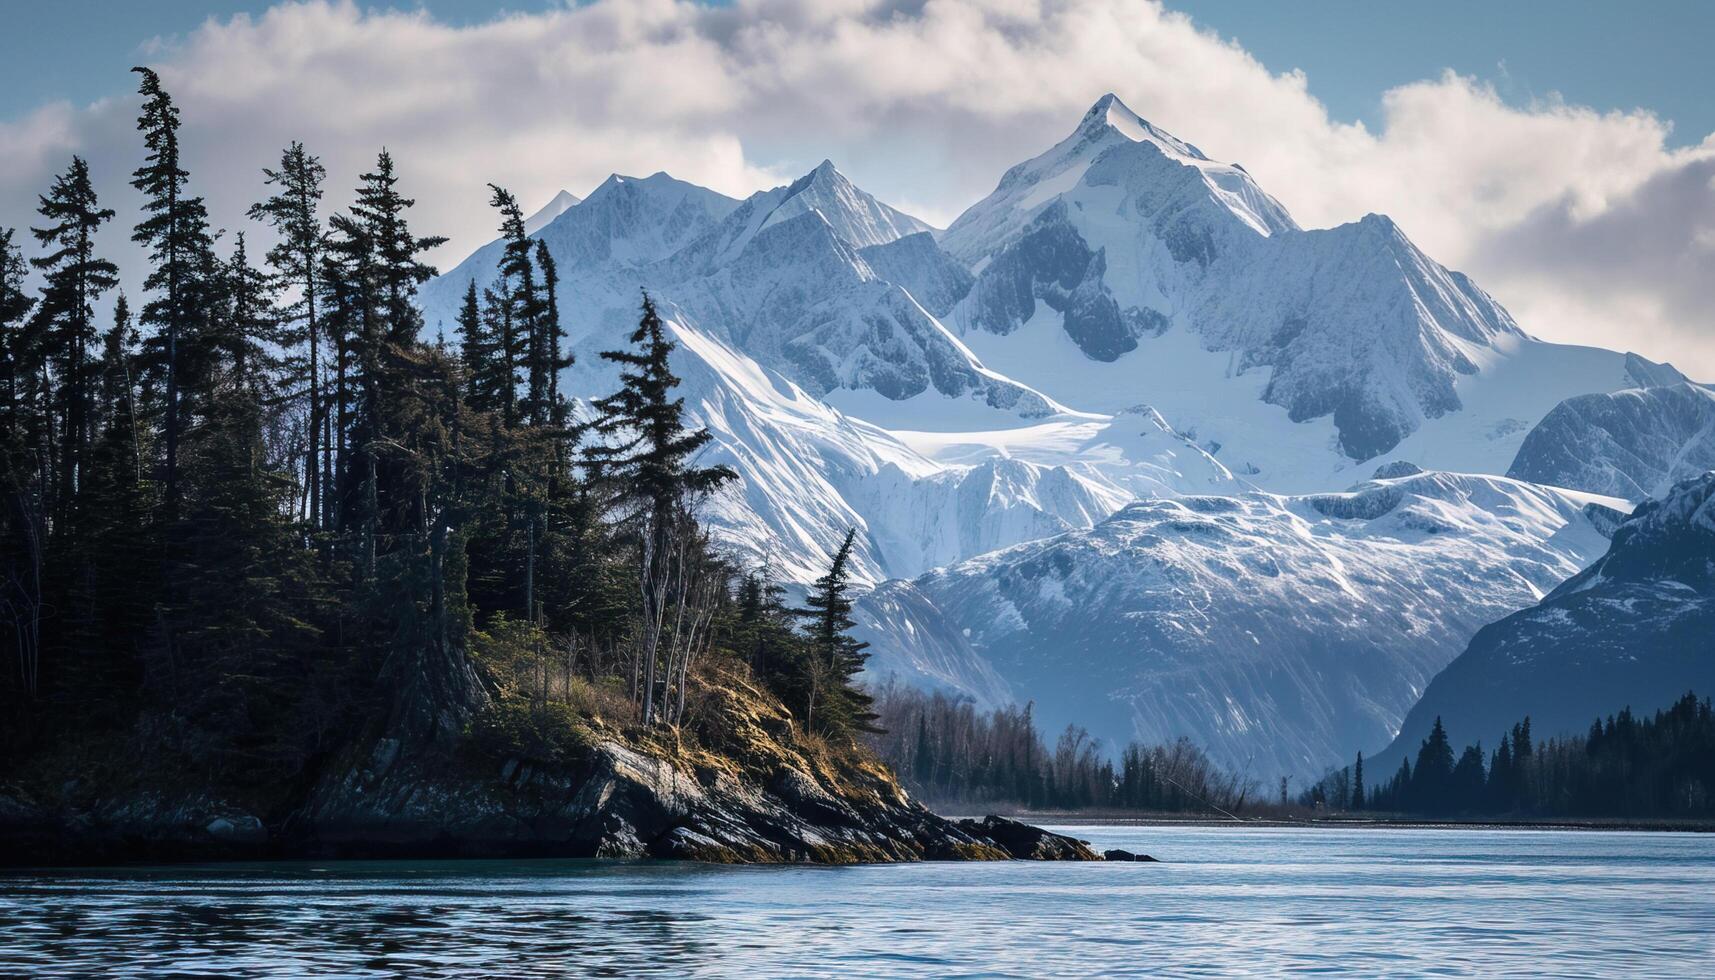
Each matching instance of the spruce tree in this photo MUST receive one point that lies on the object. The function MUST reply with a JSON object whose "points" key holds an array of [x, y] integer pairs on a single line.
{"points": [[65, 319], [15, 341], [296, 259], [1358, 783], [1432, 778], [834, 657], [553, 332], [175, 229], [647, 454], [516, 287]]}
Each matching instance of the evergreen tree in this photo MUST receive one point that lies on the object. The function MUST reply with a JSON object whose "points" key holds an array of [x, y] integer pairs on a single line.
{"points": [[1465, 790], [1431, 780], [524, 341], [1358, 783], [175, 229], [834, 657], [296, 259], [65, 319], [553, 333], [648, 456], [15, 342]]}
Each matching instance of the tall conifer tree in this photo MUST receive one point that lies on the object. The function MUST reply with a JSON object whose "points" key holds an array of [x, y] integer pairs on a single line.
{"points": [[175, 229], [296, 259]]}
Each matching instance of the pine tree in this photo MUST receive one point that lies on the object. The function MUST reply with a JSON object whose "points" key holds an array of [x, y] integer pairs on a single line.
{"points": [[525, 316], [15, 342], [118, 563], [65, 319], [1358, 783], [553, 333], [479, 355], [835, 658], [1465, 790], [647, 455], [296, 259], [1432, 778], [250, 327], [175, 230]]}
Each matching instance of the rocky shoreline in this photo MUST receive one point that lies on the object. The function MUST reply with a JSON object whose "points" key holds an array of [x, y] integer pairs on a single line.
{"points": [[619, 803]]}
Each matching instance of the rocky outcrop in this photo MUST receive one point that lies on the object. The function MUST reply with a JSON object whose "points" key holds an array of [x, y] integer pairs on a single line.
{"points": [[1028, 843], [621, 802], [745, 789]]}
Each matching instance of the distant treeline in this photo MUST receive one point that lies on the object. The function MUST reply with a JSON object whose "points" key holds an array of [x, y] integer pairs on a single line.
{"points": [[1660, 766], [948, 752]]}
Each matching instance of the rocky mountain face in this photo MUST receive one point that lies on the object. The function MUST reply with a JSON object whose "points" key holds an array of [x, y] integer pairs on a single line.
{"points": [[1634, 444], [1636, 628], [1274, 631]]}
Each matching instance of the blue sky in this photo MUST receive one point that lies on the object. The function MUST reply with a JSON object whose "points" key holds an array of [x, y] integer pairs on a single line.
{"points": [[1528, 144], [1607, 55]]}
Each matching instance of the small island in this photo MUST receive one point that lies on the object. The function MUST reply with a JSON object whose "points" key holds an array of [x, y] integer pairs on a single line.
{"points": [[289, 579]]}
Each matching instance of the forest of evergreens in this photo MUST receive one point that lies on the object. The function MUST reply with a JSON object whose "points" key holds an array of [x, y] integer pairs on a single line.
{"points": [[1659, 766], [255, 510], [950, 753]]}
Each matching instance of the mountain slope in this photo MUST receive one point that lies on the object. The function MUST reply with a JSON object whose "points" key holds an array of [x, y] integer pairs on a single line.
{"points": [[1636, 628], [1283, 633], [808, 473], [1634, 444]]}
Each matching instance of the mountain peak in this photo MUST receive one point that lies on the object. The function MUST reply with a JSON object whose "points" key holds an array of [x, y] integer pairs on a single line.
{"points": [[560, 204], [1110, 115], [852, 213]]}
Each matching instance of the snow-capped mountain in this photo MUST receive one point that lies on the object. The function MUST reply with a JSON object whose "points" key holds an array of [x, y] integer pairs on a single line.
{"points": [[1637, 629], [600, 247], [1124, 267], [555, 207], [1282, 633], [1124, 319], [1634, 444]]}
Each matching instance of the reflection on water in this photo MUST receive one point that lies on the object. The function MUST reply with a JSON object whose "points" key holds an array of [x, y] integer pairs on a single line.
{"points": [[1247, 901]]}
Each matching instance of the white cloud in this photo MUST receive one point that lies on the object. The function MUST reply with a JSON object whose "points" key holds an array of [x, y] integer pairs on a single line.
{"points": [[925, 103]]}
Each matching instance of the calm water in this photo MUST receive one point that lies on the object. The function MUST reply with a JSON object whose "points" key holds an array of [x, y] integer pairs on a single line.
{"points": [[1242, 901]]}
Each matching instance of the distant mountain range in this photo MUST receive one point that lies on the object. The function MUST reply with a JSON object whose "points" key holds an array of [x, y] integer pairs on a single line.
{"points": [[1128, 371]]}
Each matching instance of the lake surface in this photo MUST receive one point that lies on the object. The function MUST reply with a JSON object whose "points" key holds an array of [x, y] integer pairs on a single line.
{"points": [[1250, 901]]}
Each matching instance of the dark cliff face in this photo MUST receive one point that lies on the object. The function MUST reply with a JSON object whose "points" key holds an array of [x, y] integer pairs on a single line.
{"points": [[1636, 629]]}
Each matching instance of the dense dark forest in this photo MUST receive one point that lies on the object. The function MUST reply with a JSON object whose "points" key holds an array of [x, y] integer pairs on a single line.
{"points": [[950, 753], [257, 510], [1657, 766]]}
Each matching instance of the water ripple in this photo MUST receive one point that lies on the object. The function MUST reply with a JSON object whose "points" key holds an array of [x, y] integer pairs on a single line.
{"points": [[1228, 902]]}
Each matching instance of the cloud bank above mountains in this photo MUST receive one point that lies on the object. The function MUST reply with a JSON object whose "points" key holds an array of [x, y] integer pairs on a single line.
{"points": [[1588, 225]]}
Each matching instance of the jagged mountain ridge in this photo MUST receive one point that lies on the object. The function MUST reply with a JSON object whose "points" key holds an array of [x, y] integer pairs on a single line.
{"points": [[1102, 248], [1636, 629], [1282, 633]]}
